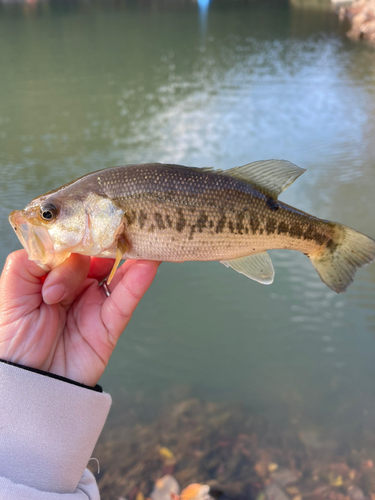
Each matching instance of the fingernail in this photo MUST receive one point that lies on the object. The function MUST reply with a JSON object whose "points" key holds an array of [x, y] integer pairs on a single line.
{"points": [[53, 294]]}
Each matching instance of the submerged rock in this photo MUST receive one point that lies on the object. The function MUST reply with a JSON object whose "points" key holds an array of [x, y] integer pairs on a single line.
{"points": [[274, 492], [283, 477], [355, 493], [165, 488]]}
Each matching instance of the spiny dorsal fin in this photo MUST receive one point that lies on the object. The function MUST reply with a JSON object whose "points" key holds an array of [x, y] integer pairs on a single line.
{"points": [[269, 176], [212, 170], [257, 267]]}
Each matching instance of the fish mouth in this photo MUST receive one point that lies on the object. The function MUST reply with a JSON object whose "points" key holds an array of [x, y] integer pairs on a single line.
{"points": [[36, 240]]}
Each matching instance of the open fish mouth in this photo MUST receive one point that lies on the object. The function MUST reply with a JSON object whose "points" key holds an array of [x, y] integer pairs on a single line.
{"points": [[37, 241]]}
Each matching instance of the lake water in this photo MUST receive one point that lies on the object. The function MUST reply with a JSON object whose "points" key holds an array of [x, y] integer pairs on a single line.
{"points": [[88, 85]]}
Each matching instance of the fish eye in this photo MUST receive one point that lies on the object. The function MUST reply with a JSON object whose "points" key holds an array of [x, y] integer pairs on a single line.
{"points": [[48, 212]]}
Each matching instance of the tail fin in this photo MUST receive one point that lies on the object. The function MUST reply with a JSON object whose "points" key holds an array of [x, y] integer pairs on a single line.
{"points": [[344, 254]]}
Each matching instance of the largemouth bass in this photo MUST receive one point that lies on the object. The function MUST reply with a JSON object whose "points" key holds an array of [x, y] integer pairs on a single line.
{"points": [[175, 213]]}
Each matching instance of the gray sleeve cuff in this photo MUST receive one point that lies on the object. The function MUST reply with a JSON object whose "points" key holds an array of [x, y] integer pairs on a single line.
{"points": [[87, 489], [48, 429]]}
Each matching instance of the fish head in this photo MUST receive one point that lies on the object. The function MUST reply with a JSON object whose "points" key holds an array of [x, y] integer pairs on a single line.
{"points": [[60, 223]]}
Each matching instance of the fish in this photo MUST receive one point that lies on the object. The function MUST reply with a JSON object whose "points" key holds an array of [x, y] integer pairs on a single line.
{"points": [[167, 212]]}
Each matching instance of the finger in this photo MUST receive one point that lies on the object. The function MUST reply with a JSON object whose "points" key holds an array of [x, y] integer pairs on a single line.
{"points": [[120, 273], [66, 278], [20, 279], [100, 268], [119, 307]]}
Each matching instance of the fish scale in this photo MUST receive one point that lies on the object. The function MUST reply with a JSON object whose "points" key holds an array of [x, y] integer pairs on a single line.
{"points": [[174, 213]]}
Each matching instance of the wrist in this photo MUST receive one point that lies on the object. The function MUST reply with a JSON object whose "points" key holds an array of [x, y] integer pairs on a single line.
{"points": [[96, 388], [48, 429]]}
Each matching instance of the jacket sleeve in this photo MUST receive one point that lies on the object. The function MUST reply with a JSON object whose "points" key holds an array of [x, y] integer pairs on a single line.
{"points": [[48, 430]]}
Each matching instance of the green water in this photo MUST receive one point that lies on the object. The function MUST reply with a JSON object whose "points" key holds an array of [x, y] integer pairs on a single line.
{"points": [[90, 85]]}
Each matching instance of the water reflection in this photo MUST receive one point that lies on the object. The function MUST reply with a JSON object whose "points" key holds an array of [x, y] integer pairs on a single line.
{"points": [[203, 6], [98, 84]]}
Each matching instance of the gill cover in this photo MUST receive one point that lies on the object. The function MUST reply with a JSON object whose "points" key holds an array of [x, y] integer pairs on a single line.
{"points": [[88, 226]]}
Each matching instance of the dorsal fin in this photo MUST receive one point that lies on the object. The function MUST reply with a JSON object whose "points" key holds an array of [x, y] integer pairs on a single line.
{"points": [[269, 176], [212, 170]]}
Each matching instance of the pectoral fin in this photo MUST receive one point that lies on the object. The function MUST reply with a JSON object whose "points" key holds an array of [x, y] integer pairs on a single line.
{"points": [[121, 249], [257, 267]]}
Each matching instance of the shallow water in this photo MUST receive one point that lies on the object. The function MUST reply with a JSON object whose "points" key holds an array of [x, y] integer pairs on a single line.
{"points": [[90, 85]]}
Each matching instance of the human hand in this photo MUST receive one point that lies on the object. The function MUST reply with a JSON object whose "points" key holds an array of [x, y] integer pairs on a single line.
{"points": [[67, 325]]}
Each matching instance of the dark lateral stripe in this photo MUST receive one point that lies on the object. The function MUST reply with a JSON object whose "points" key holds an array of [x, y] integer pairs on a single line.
{"points": [[142, 217], [130, 217], [202, 221], [181, 221], [271, 226], [239, 223], [221, 224], [283, 228], [159, 220], [169, 221], [296, 230], [254, 224]]}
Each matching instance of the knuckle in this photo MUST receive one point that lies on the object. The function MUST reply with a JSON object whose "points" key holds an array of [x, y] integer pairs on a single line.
{"points": [[116, 310], [136, 295]]}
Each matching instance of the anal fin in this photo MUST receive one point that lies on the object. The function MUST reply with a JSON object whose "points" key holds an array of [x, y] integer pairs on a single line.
{"points": [[257, 267]]}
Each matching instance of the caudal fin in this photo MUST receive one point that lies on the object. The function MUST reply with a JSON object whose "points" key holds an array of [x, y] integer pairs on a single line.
{"points": [[347, 251]]}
